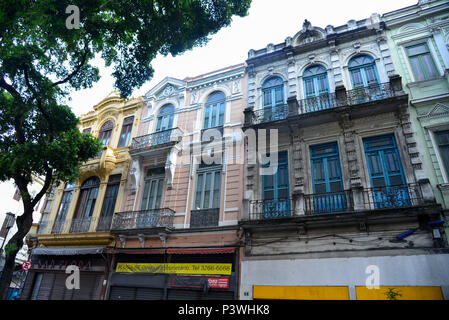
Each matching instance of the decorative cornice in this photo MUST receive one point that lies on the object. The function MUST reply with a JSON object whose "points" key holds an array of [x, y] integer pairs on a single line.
{"points": [[439, 110]]}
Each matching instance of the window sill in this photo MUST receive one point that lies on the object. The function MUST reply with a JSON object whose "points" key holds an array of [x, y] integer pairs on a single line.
{"points": [[425, 83]]}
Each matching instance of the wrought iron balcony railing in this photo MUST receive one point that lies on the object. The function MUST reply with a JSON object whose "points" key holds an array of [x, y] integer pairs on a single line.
{"points": [[204, 218], [370, 93], [318, 103], [151, 218], [340, 202], [104, 223], [156, 139], [331, 202], [393, 197], [360, 95], [58, 226], [270, 114], [81, 225], [271, 209]]}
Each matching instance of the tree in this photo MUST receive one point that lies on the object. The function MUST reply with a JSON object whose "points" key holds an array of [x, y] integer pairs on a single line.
{"points": [[45, 50]]}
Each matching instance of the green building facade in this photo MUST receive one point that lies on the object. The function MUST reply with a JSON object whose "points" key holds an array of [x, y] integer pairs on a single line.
{"points": [[418, 37]]}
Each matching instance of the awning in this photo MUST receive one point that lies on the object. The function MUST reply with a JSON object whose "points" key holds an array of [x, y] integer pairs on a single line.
{"points": [[67, 251]]}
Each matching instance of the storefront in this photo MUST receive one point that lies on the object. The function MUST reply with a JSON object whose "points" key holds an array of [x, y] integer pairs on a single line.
{"points": [[47, 277], [413, 277], [174, 274]]}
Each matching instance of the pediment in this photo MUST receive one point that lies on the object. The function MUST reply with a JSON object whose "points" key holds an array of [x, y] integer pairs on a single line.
{"points": [[166, 88], [439, 110], [112, 97], [308, 34]]}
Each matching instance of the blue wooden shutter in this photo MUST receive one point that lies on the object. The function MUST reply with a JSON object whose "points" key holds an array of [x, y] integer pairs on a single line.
{"points": [[329, 195], [385, 171], [275, 191]]}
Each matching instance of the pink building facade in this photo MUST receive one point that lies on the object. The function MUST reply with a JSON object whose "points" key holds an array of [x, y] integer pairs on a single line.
{"points": [[183, 197]]}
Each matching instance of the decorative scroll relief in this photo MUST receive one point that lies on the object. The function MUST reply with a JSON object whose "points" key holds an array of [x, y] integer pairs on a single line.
{"points": [[135, 173]]}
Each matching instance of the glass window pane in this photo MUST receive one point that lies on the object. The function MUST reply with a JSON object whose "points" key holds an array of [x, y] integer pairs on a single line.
{"points": [[199, 190], [442, 137], [207, 117], [278, 95], [267, 98], [418, 49], [357, 79], [417, 69], [429, 66], [309, 87], [217, 187], [370, 73]]}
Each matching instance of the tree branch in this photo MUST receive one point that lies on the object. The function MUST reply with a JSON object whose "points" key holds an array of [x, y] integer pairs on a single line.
{"points": [[77, 69], [48, 178], [38, 100]]}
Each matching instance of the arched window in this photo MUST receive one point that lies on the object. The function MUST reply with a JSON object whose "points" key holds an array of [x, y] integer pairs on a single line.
{"points": [[87, 199], [316, 88], [105, 132], [273, 99], [363, 71], [214, 110], [165, 118]]}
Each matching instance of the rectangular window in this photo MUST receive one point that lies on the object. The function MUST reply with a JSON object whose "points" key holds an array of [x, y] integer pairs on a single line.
{"points": [[208, 186], [126, 131], [421, 61], [110, 195], [327, 179], [64, 205], [442, 138], [275, 189], [384, 167]]}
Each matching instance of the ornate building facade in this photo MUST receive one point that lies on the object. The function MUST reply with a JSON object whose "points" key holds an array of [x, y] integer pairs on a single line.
{"points": [[349, 193], [177, 231], [75, 225], [419, 39]]}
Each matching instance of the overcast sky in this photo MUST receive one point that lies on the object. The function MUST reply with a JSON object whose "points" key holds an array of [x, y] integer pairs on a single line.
{"points": [[268, 21]]}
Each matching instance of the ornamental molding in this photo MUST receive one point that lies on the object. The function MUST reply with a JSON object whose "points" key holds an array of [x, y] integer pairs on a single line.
{"points": [[439, 110]]}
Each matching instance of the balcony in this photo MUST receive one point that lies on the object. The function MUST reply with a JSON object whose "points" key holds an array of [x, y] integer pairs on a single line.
{"points": [[104, 224], [204, 218], [143, 219], [342, 202], [156, 141], [81, 225], [313, 106]]}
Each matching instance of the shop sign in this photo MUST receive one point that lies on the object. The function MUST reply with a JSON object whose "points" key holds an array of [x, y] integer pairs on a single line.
{"points": [[199, 282], [176, 268], [62, 264]]}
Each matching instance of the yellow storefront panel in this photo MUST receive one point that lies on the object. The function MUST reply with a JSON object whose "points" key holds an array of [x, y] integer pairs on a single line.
{"points": [[178, 268], [300, 293], [399, 293]]}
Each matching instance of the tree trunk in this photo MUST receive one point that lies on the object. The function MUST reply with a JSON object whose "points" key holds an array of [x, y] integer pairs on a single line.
{"points": [[14, 245]]}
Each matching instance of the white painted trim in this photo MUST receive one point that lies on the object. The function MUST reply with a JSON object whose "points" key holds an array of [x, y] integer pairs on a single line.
{"points": [[228, 223], [438, 155]]}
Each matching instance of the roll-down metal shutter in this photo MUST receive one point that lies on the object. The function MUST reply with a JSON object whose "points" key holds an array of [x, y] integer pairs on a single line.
{"points": [[149, 294], [46, 286], [122, 293]]}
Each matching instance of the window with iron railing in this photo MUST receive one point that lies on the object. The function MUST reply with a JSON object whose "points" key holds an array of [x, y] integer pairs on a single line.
{"points": [[385, 170]]}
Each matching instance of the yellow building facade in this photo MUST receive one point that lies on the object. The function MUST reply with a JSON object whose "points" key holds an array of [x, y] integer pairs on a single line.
{"points": [[74, 228]]}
